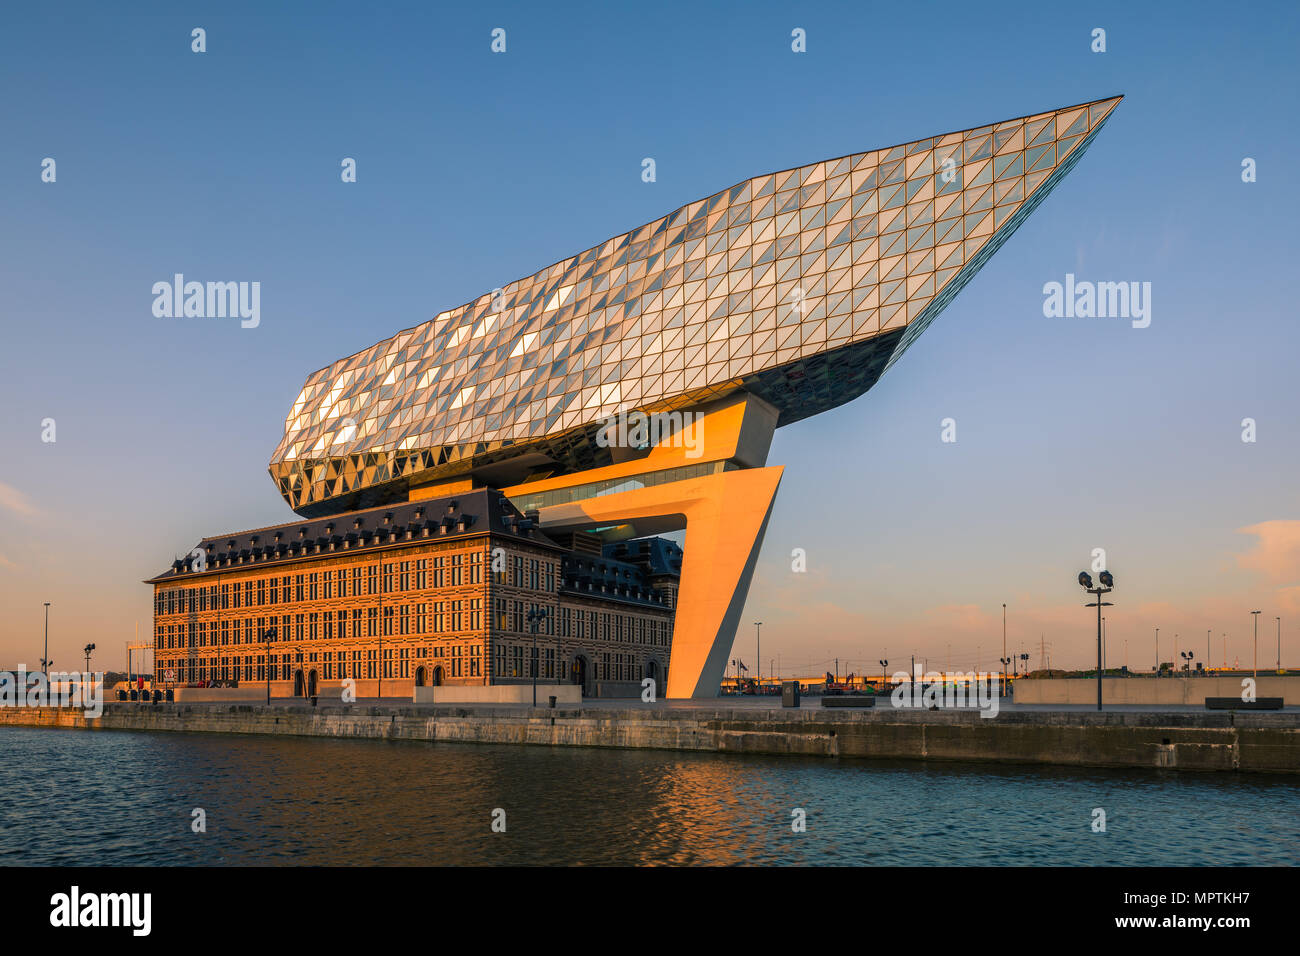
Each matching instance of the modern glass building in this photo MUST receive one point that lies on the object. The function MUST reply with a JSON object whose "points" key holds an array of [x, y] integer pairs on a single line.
{"points": [[783, 296]]}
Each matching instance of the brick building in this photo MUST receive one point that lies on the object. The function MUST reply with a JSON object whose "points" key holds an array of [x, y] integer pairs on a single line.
{"points": [[441, 591]]}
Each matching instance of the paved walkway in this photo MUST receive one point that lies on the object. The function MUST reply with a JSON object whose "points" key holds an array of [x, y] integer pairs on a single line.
{"points": [[759, 704]]}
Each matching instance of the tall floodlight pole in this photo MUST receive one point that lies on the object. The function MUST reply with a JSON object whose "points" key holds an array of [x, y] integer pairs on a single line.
{"points": [[1106, 584], [1157, 652], [1255, 615], [1279, 645]]}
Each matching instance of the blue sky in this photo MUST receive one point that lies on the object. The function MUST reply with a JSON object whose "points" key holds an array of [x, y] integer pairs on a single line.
{"points": [[477, 168]]}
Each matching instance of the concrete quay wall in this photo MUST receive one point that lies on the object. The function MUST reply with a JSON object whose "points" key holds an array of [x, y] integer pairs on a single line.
{"points": [[1241, 741], [1149, 691]]}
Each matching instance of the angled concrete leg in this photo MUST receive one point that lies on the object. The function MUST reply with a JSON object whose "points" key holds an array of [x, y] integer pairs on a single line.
{"points": [[725, 517]]}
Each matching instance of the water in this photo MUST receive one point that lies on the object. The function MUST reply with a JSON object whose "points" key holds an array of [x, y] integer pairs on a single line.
{"points": [[125, 798]]}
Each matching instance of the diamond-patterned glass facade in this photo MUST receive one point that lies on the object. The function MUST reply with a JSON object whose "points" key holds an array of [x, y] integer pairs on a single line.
{"points": [[801, 286]]}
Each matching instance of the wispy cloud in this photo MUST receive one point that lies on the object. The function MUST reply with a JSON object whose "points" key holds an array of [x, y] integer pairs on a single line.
{"points": [[1276, 554], [15, 502]]}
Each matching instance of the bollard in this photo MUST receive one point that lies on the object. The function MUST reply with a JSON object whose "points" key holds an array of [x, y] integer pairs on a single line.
{"points": [[313, 700], [552, 702]]}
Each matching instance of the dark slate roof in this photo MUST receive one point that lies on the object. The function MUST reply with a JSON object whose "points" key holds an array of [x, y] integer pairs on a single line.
{"points": [[608, 579], [655, 556], [482, 511]]}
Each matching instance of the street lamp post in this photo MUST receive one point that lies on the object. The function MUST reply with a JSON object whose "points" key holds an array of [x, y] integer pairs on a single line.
{"points": [[535, 617], [1157, 652], [267, 638], [758, 654], [1255, 615], [1004, 643], [1279, 645], [45, 664], [86, 650], [1106, 585]]}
